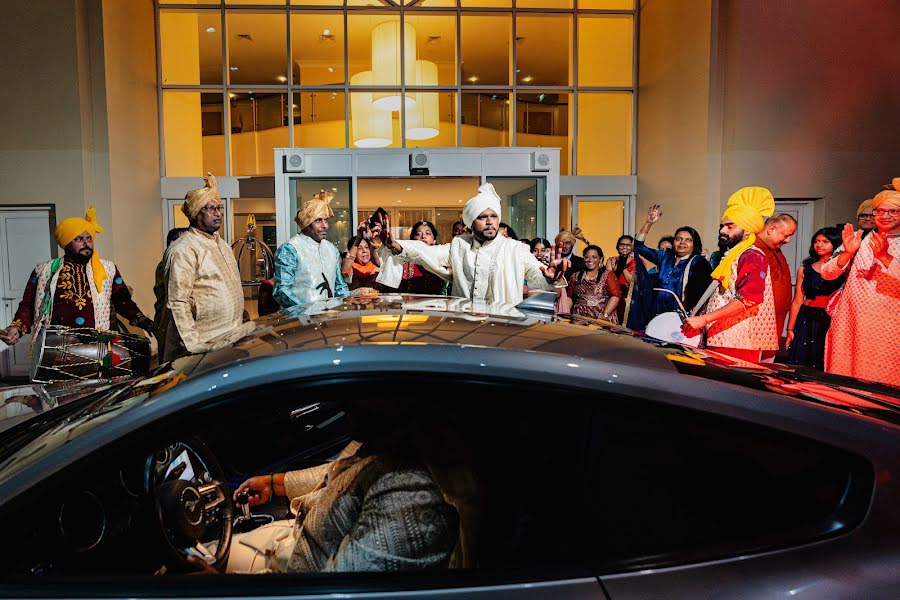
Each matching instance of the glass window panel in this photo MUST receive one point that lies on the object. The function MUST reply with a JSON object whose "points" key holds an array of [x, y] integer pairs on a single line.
{"points": [[371, 127], [318, 2], [601, 222], [319, 119], [485, 3], [435, 42], [485, 119], [485, 43], [605, 123], [339, 226], [521, 203], [605, 50], [545, 119], [268, 2], [190, 47], [544, 49], [258, 126], [191, 2], [431, 121], [369, 3], [193, 133], [544, 4], [432, 3], [317, 48], [257, 48], [606, 4]]}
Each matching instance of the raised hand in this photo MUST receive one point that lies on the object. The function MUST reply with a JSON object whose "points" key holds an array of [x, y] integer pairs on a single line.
{"points": [[558, 265], [654, 214], [852, 241], [879, 246], [611, 263]]}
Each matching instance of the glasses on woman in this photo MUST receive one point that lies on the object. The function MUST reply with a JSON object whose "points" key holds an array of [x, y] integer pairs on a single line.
{"points": [[211, 209], [866, 216], [891, 212]]}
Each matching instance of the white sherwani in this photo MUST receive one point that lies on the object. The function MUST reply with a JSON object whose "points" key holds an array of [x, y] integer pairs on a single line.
{"points": [[494, 271]]}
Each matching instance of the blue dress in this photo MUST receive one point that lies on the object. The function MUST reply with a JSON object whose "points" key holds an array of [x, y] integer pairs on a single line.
{"points": [[671, 277], [808, 346]]}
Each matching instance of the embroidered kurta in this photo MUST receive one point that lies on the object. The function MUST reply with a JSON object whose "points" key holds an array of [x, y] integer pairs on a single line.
{"points": [[493, 271], [589, 296], [204, 293], [76, 302], [307, 271], [864, 338], [782, 287], [754, 327]]}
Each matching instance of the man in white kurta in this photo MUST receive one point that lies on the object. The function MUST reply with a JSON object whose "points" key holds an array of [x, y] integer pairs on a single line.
{"points": [[203, 282], [484, 265]]}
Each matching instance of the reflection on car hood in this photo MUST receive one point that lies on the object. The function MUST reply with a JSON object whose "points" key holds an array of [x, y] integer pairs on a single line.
{"points": [[409, 320]]}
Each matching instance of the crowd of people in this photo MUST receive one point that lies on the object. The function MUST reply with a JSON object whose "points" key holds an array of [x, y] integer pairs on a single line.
{"points": [[844, 296]]}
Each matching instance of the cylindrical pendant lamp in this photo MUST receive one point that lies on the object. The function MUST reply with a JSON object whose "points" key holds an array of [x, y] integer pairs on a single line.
{"points": [[386, 62], [369, 127], [422, 119]]}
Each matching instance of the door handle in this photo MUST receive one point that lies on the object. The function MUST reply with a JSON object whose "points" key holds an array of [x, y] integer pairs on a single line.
{"points": [[5, 298]]}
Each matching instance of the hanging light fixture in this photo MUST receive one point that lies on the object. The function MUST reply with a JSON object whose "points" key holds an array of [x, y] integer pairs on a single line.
{"points": [[369, 127], [422, 119], [386, 62]]}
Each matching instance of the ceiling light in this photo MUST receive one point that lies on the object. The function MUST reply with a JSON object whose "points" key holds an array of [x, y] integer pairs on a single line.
{"points": [[294, 106], [281, 78], [459, 201], [232, 68], [473, 78], [333, 189], [210, 30], [409, 189], [528, 79], [326, 32], [331, 69], [531, 199], [230, 95]]}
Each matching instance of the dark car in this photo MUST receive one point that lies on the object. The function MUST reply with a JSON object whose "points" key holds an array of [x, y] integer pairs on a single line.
{"points": [[555, 457]]}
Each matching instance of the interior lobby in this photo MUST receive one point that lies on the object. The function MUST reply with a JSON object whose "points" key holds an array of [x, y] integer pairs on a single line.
{"points": [[125, 104]]}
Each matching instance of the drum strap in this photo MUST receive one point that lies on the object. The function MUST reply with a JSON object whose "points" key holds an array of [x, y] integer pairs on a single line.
{"points": [[705, 297]]}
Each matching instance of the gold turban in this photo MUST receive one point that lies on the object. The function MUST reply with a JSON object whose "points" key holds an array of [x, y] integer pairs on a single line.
{"points": [[70, 229], [864, 206], [747, 208], [570, 236], [197, 199], [315, 207], [889, 195]]}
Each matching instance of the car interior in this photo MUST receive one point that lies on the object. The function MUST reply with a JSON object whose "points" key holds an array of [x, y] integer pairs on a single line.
{"points": [[565, 478]]}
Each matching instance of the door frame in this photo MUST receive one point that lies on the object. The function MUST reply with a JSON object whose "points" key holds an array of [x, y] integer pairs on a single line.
{"points": [[628, 212]]}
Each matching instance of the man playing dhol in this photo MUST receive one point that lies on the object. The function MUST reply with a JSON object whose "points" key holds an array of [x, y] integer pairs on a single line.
{"points": [[740, 316], [75, 290], [307, 266], [483, 265], [203, 283]]}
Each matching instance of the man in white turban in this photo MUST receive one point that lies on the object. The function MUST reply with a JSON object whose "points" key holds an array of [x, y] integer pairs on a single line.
{"points": [[203, 283], [483, 265], [308, 266]]}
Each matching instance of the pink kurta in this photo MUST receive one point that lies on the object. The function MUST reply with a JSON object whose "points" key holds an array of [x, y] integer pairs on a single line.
{"points": [[864, 339]]}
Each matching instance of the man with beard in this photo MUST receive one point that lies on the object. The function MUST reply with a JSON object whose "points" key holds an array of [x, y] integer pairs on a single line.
{"points": [[203, 283], [483, 265], [307, 266], [740, 317], [75, 290]]}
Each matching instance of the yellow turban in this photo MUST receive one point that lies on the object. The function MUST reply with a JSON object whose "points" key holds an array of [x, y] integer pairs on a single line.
{"points": [[315, 207], [70, 229], [888, 196], [565, 236], [864, 206], [747, 208], [197, 199]]}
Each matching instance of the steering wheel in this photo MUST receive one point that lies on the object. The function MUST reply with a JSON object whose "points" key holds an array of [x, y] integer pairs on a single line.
{"points": [[192, 501]]}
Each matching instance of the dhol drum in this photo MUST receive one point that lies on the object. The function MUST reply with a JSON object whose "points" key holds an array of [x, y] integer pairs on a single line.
{"points": [[62, 353], [667, 327]]}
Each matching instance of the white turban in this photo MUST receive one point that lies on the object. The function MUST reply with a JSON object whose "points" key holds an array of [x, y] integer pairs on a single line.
{"points": [[486, 198]]}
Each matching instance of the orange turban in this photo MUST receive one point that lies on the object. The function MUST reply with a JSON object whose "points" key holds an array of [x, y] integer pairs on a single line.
{"points": [[747, 208], [71, 228], [315, 207], [197, 199], [888, 196], [865, 205]]}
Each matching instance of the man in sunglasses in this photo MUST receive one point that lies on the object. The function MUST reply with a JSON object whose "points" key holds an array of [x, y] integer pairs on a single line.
{"points": [[203, 281]]}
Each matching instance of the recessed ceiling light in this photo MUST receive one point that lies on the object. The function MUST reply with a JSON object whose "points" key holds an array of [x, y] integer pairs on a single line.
{"points": [[399, 201], [460, 201], [409, 189], [326, 32], [473, 78], [528, 79], [232, 68], [294, 106], [281, 78], [331, 69], [333, 189], [210, 30], [230, 95], [531, 199]]}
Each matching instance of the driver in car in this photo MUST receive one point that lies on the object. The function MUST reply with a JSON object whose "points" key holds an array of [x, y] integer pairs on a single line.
{"points": [[381, 506]]}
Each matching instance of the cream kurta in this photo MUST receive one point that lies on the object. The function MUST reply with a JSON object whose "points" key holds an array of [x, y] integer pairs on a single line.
{"points": [[204, 293], [494, 271], [864, 338]]}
